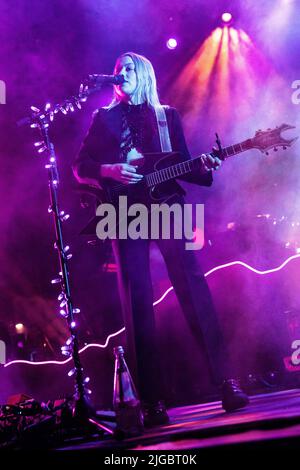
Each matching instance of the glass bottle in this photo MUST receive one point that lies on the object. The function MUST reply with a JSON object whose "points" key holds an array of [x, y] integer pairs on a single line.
{"points": [[127, 406]]}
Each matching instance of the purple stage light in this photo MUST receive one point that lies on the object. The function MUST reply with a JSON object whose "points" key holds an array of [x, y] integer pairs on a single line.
{"points": [[171, 43], [226, 17]]}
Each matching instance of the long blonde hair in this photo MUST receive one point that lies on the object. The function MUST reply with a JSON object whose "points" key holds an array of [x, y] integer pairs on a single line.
{"points": [[146, 90]]}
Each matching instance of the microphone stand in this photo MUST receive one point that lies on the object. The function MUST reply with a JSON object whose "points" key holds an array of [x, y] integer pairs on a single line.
{"points": [[83, 412]]}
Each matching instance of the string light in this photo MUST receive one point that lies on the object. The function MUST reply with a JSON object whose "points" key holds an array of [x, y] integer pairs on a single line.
{"points": [[34, 109], [66, 350], [63, 216], [69, 341]]}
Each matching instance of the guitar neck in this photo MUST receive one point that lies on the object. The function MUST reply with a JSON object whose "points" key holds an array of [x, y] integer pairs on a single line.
{"points": [[189, 166], [237, 148]]}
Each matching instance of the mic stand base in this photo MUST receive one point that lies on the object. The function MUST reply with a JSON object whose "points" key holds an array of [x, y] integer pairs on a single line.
{"points": [[85, 418]]}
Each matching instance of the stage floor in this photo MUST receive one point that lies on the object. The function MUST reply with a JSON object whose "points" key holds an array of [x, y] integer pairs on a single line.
{"points": [[270, 420]]}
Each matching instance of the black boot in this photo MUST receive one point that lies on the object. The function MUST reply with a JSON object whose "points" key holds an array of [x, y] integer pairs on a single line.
{"points": [[233, 397], [155, 414]]}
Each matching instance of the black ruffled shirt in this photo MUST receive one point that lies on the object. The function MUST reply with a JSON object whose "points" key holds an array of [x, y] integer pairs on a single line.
{"points": [[138, 128]]}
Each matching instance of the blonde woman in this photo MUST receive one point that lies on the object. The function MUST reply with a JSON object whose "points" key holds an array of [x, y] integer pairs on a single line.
{"points": [[119, 136]]}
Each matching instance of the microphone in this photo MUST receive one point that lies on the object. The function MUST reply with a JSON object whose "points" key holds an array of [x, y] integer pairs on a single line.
{"points": [[99, 79]]}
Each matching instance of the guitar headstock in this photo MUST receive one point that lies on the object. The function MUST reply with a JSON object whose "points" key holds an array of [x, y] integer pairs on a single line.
{"points": [[272, 139]]}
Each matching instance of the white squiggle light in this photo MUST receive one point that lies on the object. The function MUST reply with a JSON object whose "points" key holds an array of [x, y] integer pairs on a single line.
{"points": [[235, 263], [257, 271], [163, 296], [102, 346], [31, 363], [60, 363]]}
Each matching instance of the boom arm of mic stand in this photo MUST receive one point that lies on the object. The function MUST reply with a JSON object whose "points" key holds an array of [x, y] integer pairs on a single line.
{"points": [[37, 116]]}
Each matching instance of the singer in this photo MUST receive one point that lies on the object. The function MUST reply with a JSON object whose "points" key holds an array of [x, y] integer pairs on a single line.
{"points": [[129, 126]]}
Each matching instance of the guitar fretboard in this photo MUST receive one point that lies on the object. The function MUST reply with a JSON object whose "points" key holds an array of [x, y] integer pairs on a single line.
{"points": [[188, 166]]}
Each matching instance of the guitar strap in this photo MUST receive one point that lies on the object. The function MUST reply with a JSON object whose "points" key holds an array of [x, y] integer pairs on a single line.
{"points": [[162, 125]]}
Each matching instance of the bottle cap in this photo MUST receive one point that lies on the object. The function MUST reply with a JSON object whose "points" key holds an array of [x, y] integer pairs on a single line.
{"points": [[118, 350]]}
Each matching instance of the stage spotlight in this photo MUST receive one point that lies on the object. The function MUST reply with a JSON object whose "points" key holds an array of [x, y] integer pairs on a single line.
{"points": [[226, 17], [171, 43], [20, 328]]}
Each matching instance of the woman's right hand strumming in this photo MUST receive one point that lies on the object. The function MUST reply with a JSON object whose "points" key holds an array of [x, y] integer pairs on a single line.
{"points": [[122, 172]]}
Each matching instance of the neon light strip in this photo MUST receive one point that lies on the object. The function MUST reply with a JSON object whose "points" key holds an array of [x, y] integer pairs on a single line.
{"points": [[60, 363], [241, 263], [102, 346], [234, 263], [163, 296]]}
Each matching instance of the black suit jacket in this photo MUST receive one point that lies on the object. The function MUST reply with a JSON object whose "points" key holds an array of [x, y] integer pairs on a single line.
{"points": [[102, 145]]}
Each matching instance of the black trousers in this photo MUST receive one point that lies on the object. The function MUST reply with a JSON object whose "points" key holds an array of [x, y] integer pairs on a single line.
{"points": [[136, 295]]}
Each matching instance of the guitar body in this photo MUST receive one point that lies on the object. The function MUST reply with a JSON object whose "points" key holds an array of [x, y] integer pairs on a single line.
{"points": [[141, 192]]}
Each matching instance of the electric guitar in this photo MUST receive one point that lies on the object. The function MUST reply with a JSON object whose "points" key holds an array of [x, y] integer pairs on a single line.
{"points": [[160, 168]]}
